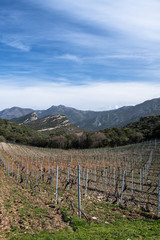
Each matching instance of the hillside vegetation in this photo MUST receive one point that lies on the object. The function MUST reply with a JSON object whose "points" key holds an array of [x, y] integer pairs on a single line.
{"points": [[146, 128], [13, 132]]}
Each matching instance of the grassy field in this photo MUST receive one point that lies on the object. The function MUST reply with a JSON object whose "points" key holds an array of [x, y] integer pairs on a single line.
{"points": [[28, 210]]}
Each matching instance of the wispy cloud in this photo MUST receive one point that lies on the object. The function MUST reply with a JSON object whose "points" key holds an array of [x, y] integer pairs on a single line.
{"points": [[70, 57], [109, 28], [140, 18], [15, 42], [88, 47], [19, 45]]}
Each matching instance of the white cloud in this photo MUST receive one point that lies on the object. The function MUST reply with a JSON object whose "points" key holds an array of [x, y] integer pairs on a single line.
{"points": [[70, 57], [90, 96]]}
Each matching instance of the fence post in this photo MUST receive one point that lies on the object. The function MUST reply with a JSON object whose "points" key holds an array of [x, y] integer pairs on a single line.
{"points": [[27, 175], [120, 173], [140, 187], [106, 181], [41, 169], [95, 177], [12, 169], [79, 190], [86, 184], [68, 176], [36, 179], [114, 173], [122, 187], [4, 165], [18, 174], [56, 186]]}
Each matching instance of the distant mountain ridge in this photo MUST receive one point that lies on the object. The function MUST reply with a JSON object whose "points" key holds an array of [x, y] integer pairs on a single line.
{"points": [[94, 120], [14, 112]]}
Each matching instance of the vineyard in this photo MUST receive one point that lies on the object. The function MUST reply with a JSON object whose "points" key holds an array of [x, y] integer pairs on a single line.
{"points": [[81, 182]]}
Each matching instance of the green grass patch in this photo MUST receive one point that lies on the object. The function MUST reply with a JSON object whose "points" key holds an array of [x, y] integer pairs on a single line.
{"points": [[120, 230]]}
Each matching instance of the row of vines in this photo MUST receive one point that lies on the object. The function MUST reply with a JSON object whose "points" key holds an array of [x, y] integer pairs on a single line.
{"points": [[128, 175]]}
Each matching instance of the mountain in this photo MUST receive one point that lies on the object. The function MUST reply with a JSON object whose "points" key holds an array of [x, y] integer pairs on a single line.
{"points": [[47, 124], [94, 121], [72, 114], [14, 112]]}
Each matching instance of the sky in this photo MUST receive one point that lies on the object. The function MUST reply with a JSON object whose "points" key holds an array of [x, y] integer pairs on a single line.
{"points": [[88, 54]]}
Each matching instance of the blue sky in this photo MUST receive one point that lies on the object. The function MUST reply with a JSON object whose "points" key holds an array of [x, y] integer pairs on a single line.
{"points": [[86, 54]]}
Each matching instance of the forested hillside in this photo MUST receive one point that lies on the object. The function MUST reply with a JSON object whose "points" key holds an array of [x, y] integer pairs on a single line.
{"points": [[13, 132], [145, 129]]}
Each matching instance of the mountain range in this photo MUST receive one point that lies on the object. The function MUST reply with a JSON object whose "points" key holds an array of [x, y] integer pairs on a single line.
{"points": [[89, 120]]}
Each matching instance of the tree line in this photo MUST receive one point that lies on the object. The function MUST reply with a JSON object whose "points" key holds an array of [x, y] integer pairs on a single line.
{"points": [[145, 129]]}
